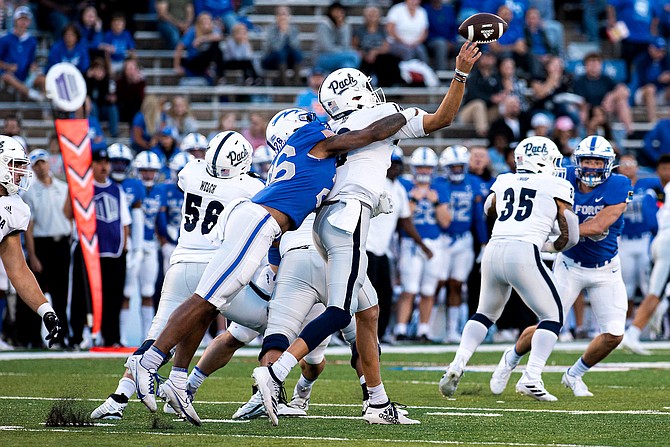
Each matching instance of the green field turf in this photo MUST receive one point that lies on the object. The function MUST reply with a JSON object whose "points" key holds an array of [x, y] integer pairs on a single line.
{"points": [[630, 408]]}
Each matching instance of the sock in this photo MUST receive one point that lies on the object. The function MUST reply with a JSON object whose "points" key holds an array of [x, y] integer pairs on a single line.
{"points": [[179, 376], [400, 329], [512, 358], [147, 318], [304, 384], [540, 348], [578, 369], [474, 334], [124, 317], [378, 395], [126, 387], [633, 332], [423, 329], [364, 387], [453, 313], [282, 367], [153, 358], [195, 379]]}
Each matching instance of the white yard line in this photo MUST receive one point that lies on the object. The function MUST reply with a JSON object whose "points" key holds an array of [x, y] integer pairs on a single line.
{"points": [[300, 438]]}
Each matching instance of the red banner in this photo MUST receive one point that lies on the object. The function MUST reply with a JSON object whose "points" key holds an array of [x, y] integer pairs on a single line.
{"points": [[75, 145]]}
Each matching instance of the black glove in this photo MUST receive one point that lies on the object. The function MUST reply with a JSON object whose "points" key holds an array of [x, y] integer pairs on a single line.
{"points": [[52, 323]]}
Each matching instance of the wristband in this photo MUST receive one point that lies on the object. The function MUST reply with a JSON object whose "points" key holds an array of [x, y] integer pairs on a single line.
{"points": [[413, 200], [44, 308], [459, 79], [461, 73], [436, 204]]}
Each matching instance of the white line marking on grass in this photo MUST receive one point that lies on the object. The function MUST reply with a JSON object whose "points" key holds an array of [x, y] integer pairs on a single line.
{"points": [[537, 410], [601, 367], [455, 413], [303, 438], [218, 421]]}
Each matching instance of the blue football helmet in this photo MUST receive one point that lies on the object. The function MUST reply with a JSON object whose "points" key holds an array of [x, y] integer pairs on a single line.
{"points": [[597, 147]]}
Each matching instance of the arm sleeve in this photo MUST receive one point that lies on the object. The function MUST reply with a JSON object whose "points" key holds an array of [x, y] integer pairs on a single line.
{"points": [[480, 222], [413, 128], [123, 203]]}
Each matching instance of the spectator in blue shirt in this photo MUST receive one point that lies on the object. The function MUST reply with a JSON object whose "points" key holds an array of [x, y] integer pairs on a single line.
{"points": [[513, 43], [309, 98], [651, 77], [17, 55], [656, 143], [201, 45], [90, 28], [218, 9], [147, 123], [537, 39], [637, 15], [441, 31], [69, 49], [120, 43]]}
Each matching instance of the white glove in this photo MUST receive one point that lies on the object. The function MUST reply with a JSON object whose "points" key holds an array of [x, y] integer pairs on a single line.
{"points": [[480, 255], [134, 262], [548, 247], [266, 280], [385, 205]]}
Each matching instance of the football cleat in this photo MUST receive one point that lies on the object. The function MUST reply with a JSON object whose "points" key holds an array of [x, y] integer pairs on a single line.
{"points": [[111, 408], [501, 374], [388, 414], [576, 384], [299, 403], [632, 344], [534, 389], [144, 381], [181, 400], [167, 409], [269, 388], [451, 378]]}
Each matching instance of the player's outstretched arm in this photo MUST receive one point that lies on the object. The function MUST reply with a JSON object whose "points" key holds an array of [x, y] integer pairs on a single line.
{"points": [[602, 220], [26, 285], [446, 112], [568, 223], [377, 131]]}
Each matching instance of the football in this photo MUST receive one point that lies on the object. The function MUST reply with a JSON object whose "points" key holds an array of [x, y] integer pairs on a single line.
{"points": [[482, 28]]}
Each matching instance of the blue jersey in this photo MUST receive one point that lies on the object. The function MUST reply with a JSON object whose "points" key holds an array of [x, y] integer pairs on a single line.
{"points": [[172, 203], [467, 206], [424, 218], [640, 215], [151, 206], [616, 189], [134, 190], [298, 182], [109, 227]]}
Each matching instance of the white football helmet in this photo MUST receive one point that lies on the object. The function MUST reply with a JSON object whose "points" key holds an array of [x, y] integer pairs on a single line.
{"points": [[594, 146], [120, 157], [228, 155], [195, 144], [15, 174], [397, 154], [284, 124], [539, 155], [454, 160], [262, 160], [177, 163], [423, 157], [346, 90], [147, 164]]}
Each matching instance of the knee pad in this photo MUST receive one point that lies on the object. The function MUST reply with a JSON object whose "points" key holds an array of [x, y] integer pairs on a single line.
{"points": [[551, 326], [483, 319], [274, 341]]}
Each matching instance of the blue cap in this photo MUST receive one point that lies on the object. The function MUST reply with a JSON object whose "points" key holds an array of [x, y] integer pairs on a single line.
{"points": [[660, 43], [37, 155]]}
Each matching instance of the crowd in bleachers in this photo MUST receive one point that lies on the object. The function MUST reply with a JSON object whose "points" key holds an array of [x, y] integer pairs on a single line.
{"points": [[604, 72]]}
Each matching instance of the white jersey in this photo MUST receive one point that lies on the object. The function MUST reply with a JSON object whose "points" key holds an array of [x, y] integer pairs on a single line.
{"points": [[204, 199], [362, 172], [663, 215], [299, 238], [525, 206], [14, 215]]}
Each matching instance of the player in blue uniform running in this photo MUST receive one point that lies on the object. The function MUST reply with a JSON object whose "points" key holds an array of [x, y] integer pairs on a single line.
{"points": [[301, 175], [467, 207], [592, 266]]}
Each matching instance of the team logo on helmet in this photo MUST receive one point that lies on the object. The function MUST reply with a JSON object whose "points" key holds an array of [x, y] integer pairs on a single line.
{"points": [[530, 149], [338, 86]]}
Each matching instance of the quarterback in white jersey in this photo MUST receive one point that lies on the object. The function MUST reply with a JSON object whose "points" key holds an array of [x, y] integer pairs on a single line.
{"points": [[652, 306], [205, 197], [15, 176], [342, 223], [526, 203]]}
